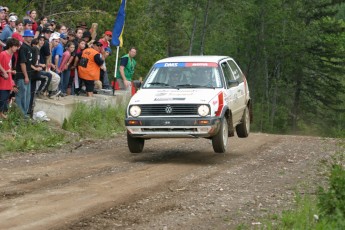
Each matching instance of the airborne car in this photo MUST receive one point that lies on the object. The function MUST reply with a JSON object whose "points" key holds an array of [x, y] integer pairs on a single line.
{"points": [[190, 96]]}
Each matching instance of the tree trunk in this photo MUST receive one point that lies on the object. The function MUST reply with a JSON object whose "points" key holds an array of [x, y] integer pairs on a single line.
{"points": [[296, 103], [204, 29], [193, 31]]}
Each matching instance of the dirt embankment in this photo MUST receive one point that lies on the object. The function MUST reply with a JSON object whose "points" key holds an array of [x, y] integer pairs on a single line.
{"points": [[173, 184]]}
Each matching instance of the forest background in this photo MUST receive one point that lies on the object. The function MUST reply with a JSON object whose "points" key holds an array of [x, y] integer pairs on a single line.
{"points": [[291, 51]]}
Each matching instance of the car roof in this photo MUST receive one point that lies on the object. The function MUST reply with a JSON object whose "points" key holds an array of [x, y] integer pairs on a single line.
{"points": [[206, 58]]}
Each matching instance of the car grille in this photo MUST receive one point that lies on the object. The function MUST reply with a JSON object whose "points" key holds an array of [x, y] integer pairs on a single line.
{"points": [[169, 110]]}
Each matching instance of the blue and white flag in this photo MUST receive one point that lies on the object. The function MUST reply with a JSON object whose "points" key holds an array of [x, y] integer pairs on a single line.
{"points": [[119, 25]]}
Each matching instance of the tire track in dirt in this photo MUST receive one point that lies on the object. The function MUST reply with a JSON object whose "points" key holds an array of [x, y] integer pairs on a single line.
{"points": [[60, 189]]}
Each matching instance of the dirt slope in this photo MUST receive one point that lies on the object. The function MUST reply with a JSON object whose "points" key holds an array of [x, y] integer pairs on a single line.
{"points": [[174, 184]]}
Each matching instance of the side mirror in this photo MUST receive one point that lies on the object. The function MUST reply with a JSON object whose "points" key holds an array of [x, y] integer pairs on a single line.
{"points": [[233, 83], [137, 84]]}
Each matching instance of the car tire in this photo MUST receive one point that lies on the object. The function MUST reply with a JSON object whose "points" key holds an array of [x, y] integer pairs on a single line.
{"points": [[135, 145], [243, 129], [220, 140]]}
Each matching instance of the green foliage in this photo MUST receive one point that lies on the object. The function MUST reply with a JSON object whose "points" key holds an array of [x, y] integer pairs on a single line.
{"points": [[18, 134], [332, 200], [323, 211], [95, 121], [292, 52]]}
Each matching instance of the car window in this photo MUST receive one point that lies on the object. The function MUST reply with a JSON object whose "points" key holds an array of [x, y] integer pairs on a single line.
{"points": [[227, 73], [236, 71], [184, 75]]}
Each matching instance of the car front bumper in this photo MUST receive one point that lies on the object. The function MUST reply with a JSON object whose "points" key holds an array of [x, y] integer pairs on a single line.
{"points": [[164, 127]]}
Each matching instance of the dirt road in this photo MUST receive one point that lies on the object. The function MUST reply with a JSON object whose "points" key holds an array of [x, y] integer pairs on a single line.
{"points": [[173, 184]]}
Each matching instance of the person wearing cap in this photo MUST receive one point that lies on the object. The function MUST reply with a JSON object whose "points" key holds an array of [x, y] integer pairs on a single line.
{"points": [[82, 26], [45, 51], [27, 24], [126, 69], [106, 39], [52, 24], [57, 50], [90, 67], [24, 71], [8, 30]]}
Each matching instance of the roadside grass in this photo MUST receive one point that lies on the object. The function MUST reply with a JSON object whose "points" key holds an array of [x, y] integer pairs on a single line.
{"points": [[323, 211], [96, 121], [20, 135]]}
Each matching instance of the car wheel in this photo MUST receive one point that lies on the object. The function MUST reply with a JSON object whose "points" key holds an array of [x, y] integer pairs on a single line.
{"points": [[135, 145], [244, 128], [220, 140]]}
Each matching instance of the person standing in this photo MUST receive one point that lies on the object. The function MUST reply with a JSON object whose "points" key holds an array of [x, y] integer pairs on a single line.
{"points": [[19, 30], [89, 68], [8, 30], [126, 69], [23, 72], [6, 82], [65, 68], [33, 15]]}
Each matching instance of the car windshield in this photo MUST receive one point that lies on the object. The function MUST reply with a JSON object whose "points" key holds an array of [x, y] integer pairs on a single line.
{"points": [[183, 75]]}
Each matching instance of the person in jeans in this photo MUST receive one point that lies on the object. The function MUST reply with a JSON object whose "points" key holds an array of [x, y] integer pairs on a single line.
{"points": [[6, 81], [24, 72], [65, 69]]}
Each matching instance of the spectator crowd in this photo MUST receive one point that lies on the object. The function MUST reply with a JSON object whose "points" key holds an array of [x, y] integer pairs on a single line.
{"points": [[45, 59]]}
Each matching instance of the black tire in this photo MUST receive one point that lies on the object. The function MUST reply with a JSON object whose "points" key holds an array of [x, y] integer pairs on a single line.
{"points": [[135, 145], [243, 129], [220, 140]]}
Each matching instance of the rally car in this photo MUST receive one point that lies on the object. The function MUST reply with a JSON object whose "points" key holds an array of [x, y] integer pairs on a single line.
{"points": [[190, 96]]}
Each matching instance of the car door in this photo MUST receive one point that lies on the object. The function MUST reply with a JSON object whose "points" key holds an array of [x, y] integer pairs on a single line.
{"points": [[231, 94], [241, 88]]}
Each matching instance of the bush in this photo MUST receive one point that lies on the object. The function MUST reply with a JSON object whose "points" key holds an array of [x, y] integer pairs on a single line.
{"points": [[332, 200], [96, 121]]}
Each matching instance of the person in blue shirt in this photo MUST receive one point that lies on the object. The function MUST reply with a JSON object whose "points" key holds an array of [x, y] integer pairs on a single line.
{"points": [[8, 30]]}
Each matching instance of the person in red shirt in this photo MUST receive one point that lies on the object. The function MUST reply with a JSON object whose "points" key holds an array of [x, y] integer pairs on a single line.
{"points": [[33, 15], [105, 40], [6, 82]]}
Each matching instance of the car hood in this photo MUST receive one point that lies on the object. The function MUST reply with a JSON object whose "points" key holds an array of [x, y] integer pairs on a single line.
{"points": [[176, 96]]}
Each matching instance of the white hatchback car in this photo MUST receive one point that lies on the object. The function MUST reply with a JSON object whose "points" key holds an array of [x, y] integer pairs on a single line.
{"points": [[190, 96]]}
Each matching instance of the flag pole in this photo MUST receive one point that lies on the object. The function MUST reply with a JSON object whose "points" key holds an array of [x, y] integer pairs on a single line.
{"points": [[115, 72], [117, 35]]}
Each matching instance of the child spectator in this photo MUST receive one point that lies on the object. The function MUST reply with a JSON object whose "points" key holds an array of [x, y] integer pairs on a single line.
{"points": [[65, 69]]}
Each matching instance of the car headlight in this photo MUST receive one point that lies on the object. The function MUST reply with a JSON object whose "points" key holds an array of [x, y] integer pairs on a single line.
{"points": [[135, 111], [203, 110]]}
